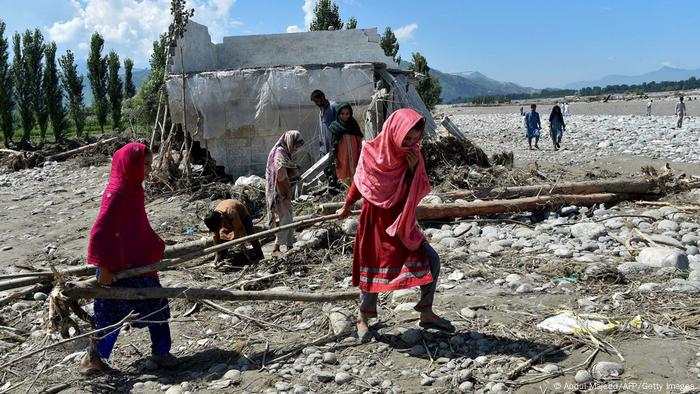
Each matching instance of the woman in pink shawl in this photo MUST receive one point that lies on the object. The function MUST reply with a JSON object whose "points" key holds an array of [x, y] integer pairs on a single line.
{"points": [[280, 171], [391, 252], [122, 238]]}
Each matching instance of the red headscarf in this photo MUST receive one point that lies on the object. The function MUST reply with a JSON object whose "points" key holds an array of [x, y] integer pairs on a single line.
{"points": [[381, 171], [122, 238]]}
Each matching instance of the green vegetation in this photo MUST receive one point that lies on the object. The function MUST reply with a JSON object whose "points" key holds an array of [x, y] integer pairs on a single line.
{"points": [[428, 87], [114, 89], [351, 23], [97, 74], [640, 89], [326, 16], [73, 85], [7, 103], [54, 94], [390, 45]]}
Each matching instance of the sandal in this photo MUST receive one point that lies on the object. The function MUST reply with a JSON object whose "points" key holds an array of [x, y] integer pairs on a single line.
{"points": [[442, 324], [366, 337]]}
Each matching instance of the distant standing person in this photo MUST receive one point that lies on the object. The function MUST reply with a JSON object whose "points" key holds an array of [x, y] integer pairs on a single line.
{"points": [[346, 139], [327, 115], [680, 112], [566, 108], [556, 126], [532, 123], [649, 107], [522, 111]]}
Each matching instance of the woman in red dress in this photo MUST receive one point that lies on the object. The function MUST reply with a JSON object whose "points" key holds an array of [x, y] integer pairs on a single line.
{"points": [[391, 252]]}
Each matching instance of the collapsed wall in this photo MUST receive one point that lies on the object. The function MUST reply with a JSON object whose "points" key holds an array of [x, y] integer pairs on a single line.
{"points": [[242, 94]]}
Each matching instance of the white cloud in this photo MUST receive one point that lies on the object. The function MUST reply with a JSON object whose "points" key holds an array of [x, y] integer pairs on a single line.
{"points": [[667, 63], [130, 26], [406, 32], [294, 29], [308, 9]]}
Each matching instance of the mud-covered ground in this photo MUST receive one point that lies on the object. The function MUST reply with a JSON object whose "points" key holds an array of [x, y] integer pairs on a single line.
{"points": [[632, 266]]}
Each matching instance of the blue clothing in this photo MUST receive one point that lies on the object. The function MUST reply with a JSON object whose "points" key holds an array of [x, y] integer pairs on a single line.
{"points": [[556, 129], [326, 117], [532, 122], [109, 312]]}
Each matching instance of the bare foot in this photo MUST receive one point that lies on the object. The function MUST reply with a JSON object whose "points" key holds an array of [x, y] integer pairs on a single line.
{"points": [[92, 364], [429, 317]]}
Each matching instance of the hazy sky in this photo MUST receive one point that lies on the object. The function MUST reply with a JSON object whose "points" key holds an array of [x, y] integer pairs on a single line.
{"points": [[536, 43]]}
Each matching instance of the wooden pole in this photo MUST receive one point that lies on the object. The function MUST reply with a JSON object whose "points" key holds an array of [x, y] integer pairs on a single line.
{"points": [[167, 263], [492, 207], [605, 186], [67, 154], [130, 293]]}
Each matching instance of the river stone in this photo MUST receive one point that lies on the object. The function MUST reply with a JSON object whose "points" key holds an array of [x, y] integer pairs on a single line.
{"points": [[342, 377], [668, 225], [692, 250], [588, 230], [461, 229], [648, 287], [466, 387], [452, 243], [340, 323], [233, 375], [411, 336], [665, 239], [663, 257], [583, 377], [635, 267], [350, 226], [607, 369]]}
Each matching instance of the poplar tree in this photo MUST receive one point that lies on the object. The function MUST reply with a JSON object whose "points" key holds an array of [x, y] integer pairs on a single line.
{"points": [[429, 87], [7, 103], [97, 74], [114, 89], [33, 52], [73, 86], [54, 94], [129, 88], [23, 93], [326, 16], [390, 45]]}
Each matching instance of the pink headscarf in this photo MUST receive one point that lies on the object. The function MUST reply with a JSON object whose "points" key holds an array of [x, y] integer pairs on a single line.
{"points": [[122, 237], [381, 171]]}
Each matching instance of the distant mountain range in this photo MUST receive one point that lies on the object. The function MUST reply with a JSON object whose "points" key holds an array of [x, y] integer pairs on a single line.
{"points": [[473, 83], [663, 74], [138, 76]]}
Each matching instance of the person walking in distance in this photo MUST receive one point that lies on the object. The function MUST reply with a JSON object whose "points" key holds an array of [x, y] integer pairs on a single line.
{"points": [[556, 126], [680, 112], [532, 123], [649, 107]]}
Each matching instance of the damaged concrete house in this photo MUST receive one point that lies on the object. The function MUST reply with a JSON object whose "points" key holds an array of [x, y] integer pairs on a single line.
{"points": [[242, 94]]}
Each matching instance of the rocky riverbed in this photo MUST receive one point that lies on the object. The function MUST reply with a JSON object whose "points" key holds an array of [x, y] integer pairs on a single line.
{"points": [[600, 298]]}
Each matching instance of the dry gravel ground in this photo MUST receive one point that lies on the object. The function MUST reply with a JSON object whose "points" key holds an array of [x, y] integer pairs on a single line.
{"points": [[498, 282]]}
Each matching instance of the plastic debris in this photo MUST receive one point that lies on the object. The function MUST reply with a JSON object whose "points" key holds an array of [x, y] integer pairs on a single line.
{"points": [[569, 323]]}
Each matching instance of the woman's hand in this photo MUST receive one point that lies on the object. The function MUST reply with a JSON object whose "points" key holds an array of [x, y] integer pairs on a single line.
{"points": [[106, 277], [344, 212], [412, 159]]}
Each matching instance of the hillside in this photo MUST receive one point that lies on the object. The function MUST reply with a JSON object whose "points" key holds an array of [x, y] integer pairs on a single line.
{"points": [[474, 83], [662, 74]]}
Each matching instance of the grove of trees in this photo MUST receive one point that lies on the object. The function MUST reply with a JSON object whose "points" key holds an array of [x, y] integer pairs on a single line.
{"points": [[41, 90]]}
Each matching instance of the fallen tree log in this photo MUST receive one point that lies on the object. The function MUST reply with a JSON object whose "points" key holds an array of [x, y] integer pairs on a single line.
{"points": [[82, 149], [129, 293], [492, 207], [168, 263], [606, 186], [29, 278], [527, 204]]}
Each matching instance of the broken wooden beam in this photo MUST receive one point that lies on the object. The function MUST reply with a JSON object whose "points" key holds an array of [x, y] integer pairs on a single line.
{"points": [[452, 128], [493, 207], [526, 204], [82, 149], [129, 293], [314, 170], [605, 186], [169, 263]]}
